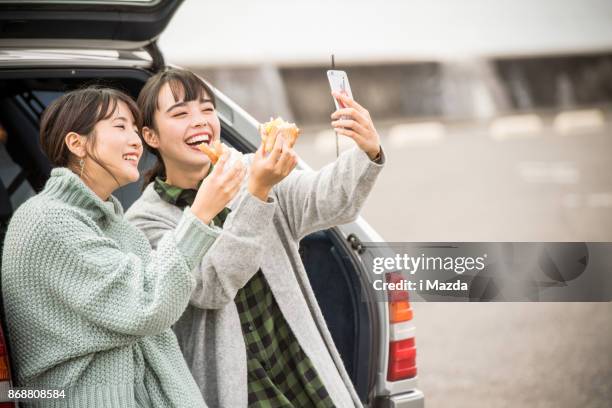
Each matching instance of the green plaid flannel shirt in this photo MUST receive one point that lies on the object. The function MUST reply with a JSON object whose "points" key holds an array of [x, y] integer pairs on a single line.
{"points": [[279, 373]]}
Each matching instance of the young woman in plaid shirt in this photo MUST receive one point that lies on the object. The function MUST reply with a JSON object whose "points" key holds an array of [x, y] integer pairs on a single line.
{"points": [[253, 334]]}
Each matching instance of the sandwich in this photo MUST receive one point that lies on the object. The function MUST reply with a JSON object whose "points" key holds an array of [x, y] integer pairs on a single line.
{"points": [[270, 130], [214, 151]]}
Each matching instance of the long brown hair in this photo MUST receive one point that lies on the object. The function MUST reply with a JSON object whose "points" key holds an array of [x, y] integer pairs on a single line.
{"points": [[78, 111], [181, 82]]}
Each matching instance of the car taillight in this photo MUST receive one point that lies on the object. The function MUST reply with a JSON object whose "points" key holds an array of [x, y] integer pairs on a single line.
{"points": [[400, 311], [5, 371], [402, 360], [402, 350], [399, 305]]}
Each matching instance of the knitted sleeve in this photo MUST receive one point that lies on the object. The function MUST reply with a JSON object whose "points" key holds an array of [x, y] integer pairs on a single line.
{"points": [[221, 273], [112, 288], [334, 195]]}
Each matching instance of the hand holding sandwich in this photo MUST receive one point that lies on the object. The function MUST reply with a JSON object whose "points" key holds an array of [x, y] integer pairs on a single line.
{"points": [[269, 169], [218, 188], [272, 162], [356, 123]]}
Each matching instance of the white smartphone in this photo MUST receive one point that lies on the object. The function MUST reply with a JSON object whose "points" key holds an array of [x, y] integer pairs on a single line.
{"points": [[338, 81]]}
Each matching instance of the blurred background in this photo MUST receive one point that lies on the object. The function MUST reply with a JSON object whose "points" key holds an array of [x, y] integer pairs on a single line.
{"points": [[496, 118]]}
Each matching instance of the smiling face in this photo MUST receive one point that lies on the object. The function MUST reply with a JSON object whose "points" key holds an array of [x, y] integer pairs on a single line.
{"points": [[180, 127], [117, 148]]}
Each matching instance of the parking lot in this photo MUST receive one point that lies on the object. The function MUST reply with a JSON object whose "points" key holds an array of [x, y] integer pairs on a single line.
{"points": [[499, 181]]}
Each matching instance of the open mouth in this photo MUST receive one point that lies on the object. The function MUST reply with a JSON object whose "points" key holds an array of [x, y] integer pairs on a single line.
{"points": [[130, 157], [194, 141]]}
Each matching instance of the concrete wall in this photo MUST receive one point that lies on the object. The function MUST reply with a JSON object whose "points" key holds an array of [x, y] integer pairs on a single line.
{"points": [[453, 89]]}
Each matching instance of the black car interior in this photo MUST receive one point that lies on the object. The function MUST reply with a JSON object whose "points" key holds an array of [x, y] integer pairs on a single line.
{"points": [[24, 169]]}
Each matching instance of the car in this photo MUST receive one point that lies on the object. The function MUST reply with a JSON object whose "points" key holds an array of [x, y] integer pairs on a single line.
{"points": [[50, 47]]}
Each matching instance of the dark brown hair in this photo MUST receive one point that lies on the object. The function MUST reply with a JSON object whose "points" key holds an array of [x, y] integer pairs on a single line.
{"points": [[182, 83], [79, 111]]}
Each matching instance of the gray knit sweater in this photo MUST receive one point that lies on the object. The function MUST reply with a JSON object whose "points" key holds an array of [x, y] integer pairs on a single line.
{"points": [[89, 305], [263, 235]]}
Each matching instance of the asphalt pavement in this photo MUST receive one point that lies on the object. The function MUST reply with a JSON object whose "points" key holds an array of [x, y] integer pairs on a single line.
{"points": [[529, 177]]}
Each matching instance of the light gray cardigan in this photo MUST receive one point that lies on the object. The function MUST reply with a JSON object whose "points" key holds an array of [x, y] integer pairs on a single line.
{"points": [[263, 235]]}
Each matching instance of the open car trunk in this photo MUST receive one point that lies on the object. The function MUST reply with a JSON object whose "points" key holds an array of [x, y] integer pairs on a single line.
{"points": [[112, 24], [330, 265]]}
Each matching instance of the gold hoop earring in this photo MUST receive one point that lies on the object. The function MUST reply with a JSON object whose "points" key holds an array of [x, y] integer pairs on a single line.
{"points": [[82, 164]]}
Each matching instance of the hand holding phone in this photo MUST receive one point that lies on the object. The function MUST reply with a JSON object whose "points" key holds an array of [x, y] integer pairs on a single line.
{"points": [[338, 81], [350, 118]]}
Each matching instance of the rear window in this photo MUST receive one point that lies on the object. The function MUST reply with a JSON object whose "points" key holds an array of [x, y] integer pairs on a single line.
{"points": [[13, 178]]}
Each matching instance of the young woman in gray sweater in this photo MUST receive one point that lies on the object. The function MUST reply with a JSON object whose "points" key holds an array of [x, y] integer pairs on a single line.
{"points": [[88, 303], [253, 333]]}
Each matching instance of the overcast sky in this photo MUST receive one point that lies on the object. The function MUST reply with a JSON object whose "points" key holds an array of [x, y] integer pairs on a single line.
{"points": [[289, 31]]}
